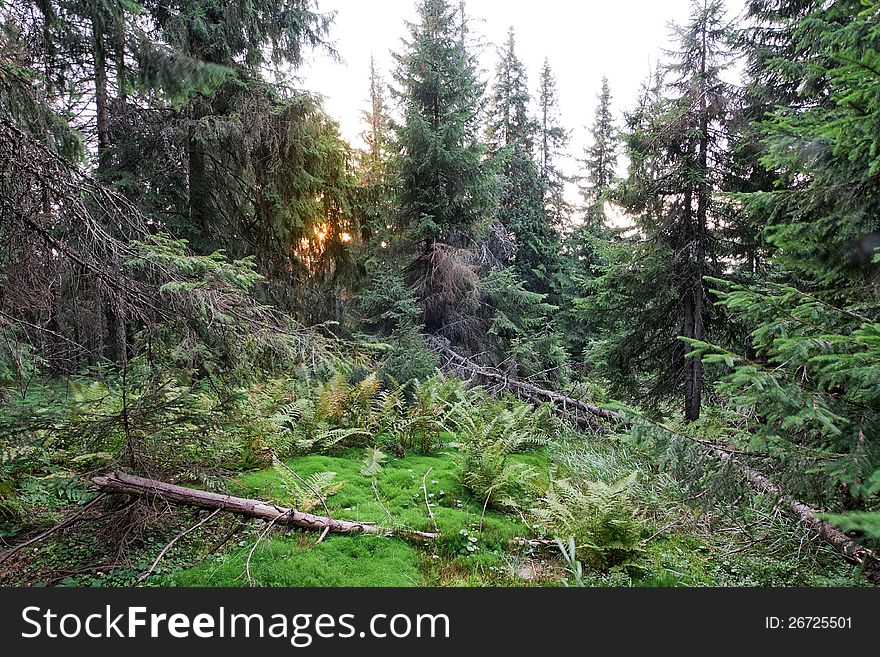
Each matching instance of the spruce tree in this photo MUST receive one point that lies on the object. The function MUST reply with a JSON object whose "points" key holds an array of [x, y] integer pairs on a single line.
{"points": [[445, 191], [377, 136], [552, 141], [600, 158], [676, 150], [808, 377], [511, 136]]}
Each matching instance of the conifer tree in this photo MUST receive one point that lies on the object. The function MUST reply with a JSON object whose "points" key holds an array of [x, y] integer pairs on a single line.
{"points": [[445, 191], [377, 136], [809, 372], [511, 135], [552, 140], [676, 150], [600, 158]]}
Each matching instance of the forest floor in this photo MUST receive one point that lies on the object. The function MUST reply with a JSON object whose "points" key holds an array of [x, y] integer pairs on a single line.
{"points": [[686, 540]]}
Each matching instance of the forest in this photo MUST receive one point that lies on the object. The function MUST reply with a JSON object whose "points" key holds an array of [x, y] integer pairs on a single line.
{"points": [[238, 350]]}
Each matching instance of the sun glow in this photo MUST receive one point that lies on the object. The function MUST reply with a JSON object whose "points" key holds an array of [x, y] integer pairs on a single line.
{"points": [[321, 232]]}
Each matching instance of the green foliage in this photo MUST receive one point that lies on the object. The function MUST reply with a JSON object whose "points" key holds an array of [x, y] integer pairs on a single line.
{"points": [[522, 329], [574, 567], [552, 139], [511, 134], [600, 159], [373, 462], [445, 192], [812, 378], [866, 522], [599, 516], [340, 413], [306, 493], [486, 443]]}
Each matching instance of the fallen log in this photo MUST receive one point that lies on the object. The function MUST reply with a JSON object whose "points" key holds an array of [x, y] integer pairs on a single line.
{"points": [[583, 414], [828, 532], [126, 484], [570, 409]]}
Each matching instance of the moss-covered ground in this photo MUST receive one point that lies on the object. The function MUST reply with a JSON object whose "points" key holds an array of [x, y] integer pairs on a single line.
{"points": [[684, 543], [474, 548]]}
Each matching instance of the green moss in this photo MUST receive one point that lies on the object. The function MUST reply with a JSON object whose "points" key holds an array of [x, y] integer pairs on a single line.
{"points": [[472, 554], [292, 561]]}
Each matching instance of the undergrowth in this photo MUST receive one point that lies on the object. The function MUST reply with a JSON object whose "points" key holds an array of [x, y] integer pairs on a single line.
{"points": [[518, 498]]}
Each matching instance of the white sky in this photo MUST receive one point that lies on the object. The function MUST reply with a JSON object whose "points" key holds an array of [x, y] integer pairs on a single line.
{"points": [[583, 39]]}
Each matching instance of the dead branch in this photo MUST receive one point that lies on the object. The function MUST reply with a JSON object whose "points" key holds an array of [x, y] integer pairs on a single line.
{"points": [[122, 483], [585, 415], [171, 544], [427, 503]]}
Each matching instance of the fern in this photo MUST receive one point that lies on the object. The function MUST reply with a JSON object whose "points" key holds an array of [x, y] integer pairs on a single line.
{"points": [[373, 462], [306, 493], [598, 515], [485, 469]]}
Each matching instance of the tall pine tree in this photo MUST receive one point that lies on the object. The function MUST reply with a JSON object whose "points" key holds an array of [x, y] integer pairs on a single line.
{"points": [[676, 151], [511, 135], [445, 191], [600, 158], [552, 141]]}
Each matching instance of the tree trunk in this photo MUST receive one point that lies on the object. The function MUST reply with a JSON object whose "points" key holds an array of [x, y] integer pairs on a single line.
{"points": [[692, 369], [119, 482], [101, 99], [199, 192], [695, 366]]}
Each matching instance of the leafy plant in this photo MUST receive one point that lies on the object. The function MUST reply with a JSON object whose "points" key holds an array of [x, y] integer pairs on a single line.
{"points": [[572, 565], [306, 493], [599, 516], [485, 447], [373, 461]]}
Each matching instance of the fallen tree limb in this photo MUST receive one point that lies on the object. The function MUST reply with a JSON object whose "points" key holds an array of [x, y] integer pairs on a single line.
{"points": [[585, 415], [828, 532], [126, 484]]}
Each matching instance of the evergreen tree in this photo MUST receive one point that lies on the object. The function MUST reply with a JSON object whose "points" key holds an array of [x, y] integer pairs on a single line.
{"points": [[511, 135], [446, 195], [509, 124], [552, 140], [808, 376], [676, 154], [777, 73], [600, 158], [377, 136]]}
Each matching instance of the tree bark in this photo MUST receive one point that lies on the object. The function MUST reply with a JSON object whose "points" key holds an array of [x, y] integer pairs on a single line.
{"points": [[119, 482], [199, 191], [102, 118]]}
